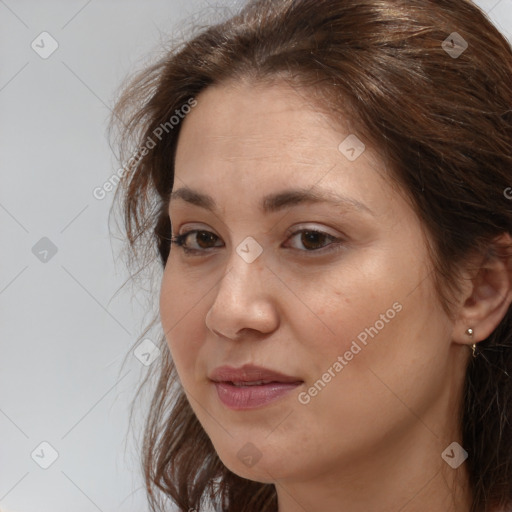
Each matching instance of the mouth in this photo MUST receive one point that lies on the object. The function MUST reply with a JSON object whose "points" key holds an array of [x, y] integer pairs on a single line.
{"points": [[254, 383], [244, 396], [250, 387], [250, 374]]}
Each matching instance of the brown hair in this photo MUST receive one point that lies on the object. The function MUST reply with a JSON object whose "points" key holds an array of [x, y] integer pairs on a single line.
{"points": [[442, 121]]}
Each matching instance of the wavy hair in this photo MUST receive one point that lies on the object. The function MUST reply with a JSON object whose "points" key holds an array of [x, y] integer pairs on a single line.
{"points": [[442, 119]]}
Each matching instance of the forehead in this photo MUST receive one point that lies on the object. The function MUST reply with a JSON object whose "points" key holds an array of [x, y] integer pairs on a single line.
{"points": [[245, 121], [247, 139]]}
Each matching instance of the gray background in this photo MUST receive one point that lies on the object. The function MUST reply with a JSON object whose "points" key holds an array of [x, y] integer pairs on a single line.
{"points": [[65, 321]]}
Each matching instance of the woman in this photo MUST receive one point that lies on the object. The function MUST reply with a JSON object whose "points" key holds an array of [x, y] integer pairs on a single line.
{"points": [[327, 183]]}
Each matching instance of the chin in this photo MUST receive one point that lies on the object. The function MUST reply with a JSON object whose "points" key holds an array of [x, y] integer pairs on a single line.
{"points": [[252, 464]]}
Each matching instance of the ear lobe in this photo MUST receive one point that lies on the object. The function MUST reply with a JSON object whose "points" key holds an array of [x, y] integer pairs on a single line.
{"points": [[488, 295]]}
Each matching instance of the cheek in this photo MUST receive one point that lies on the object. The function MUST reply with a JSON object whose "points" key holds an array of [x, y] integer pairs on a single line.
{"points": [[168, 304], [375, 314], [387, 349], [353, 302], [182, 319]]}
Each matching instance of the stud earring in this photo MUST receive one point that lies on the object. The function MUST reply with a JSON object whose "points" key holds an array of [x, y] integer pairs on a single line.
{"points": [[470, 332]]}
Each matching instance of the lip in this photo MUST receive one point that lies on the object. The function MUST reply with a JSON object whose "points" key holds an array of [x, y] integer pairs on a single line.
{"points": [[249, 373], [235, 390]]}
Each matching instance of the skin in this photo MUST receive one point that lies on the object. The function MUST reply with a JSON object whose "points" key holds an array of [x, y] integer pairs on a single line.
{"points": [[372, 439]]}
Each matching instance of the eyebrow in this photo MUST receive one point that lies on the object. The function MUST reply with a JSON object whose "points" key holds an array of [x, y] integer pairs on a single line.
{"points": [[278, 201]]}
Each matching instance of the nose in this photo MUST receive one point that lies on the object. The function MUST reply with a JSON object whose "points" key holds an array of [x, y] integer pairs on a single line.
{"points": [[244, 301]]}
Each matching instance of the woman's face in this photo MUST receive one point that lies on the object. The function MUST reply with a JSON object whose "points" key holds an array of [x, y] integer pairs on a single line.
{"points": [[335, 294]]}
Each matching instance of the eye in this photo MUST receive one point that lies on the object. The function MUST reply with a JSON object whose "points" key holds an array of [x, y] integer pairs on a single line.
{"points": [[202, 241], [312, 240]]}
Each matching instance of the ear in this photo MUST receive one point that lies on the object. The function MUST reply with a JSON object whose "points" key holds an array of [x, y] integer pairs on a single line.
{"points": [[487, 293]]}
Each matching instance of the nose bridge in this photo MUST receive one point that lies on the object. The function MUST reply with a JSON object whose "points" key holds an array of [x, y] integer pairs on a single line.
{"points": [[241, 300], [245, 270]]}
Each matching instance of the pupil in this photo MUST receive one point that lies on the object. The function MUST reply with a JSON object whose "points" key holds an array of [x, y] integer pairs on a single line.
{"points": [[204, 237], [311, 237]]}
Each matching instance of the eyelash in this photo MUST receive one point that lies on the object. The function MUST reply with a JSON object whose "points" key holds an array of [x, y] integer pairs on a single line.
{"points": [[179, 240]]}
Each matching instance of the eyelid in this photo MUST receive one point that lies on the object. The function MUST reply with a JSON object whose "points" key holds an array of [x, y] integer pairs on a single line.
{"points": [[290, 231], [298, 228]]}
